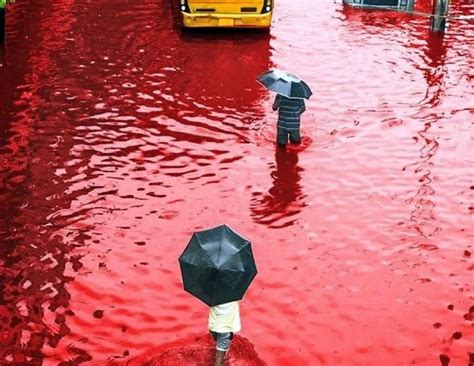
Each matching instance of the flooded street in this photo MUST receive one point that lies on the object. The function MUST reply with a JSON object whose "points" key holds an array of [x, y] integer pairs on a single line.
{"points": [[121, 135]]}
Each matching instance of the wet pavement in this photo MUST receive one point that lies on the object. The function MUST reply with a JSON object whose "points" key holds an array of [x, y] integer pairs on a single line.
{"points": [[120, 135]]}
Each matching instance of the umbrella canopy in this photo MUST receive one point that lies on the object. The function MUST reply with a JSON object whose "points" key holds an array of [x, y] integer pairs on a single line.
{"points": [[217, 266], [286, 84]]}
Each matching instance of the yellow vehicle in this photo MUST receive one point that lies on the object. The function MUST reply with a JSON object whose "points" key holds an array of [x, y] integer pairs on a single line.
{"points": [[227, 13]]}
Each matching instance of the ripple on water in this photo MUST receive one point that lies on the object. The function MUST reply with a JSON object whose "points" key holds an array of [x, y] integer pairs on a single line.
{"points": [[122, 135]]}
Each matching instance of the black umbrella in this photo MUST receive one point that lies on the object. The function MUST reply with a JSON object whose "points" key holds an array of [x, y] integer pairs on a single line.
{"points": [[286, 84], [217, 266]]}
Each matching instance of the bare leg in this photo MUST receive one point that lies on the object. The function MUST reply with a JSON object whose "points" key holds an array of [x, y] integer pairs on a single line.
{"points": [[219, 360]]}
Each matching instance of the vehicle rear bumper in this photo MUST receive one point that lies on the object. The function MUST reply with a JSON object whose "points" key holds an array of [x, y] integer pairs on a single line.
{"points": [[227, 20]]}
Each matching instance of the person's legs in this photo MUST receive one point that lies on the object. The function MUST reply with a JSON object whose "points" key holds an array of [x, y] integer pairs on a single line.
{"points": [[222, 346], [295, 137], [282, 137], [219, 359]]}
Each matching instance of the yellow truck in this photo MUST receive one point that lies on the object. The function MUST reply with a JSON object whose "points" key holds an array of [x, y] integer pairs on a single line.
{"points": [[226, 13]]}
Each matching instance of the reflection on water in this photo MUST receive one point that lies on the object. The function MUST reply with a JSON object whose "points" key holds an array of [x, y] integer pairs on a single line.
{"points": [[285, 199], [423, 215], [120, 135], [435, 73]]}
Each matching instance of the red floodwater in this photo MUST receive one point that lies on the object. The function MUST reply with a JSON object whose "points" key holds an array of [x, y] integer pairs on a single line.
{"points": [[120, 135]]}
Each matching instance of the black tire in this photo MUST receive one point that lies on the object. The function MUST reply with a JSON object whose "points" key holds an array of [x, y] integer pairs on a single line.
{"points": [[3, 24]]}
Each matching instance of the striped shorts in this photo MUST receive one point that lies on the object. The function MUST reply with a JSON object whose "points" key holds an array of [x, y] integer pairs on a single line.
{"points": [[223, 340]]}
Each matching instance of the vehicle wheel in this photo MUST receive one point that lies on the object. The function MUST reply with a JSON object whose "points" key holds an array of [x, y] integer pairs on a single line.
{"points": [[2, 25]]}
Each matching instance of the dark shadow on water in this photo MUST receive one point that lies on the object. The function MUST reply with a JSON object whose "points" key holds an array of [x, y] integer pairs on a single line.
{"points": [[192, 34], [285, 198]]}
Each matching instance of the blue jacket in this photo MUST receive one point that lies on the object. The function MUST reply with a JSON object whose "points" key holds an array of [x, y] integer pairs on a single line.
{"points": [[289, 112]]}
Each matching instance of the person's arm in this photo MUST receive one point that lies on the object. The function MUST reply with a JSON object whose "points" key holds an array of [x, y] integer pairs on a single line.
{"points": [[276, 103], [302, 107]]}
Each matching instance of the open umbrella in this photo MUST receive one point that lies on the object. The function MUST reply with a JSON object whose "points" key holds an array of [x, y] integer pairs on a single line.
{"points": [[286, 84], [217, 266]]}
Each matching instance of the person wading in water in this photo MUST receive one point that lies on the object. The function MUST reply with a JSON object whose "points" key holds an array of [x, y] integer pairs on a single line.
{"points": [[224, 321], [289, 112]]}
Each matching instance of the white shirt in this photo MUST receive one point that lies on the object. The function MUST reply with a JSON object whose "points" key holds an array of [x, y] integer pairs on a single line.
{"points": [[225, 318]]}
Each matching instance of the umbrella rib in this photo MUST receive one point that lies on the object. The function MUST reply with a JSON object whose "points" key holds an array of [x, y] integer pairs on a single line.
{"points": [[274, 78], [220, 247], [202, 249], [235, 255], [228, 284]]}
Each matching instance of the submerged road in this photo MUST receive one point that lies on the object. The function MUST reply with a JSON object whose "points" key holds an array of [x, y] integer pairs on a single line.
{"points": [[120, 135]]}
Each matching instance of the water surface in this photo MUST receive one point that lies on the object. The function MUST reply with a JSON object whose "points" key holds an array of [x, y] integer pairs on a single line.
{"points": [[120, 135]]}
